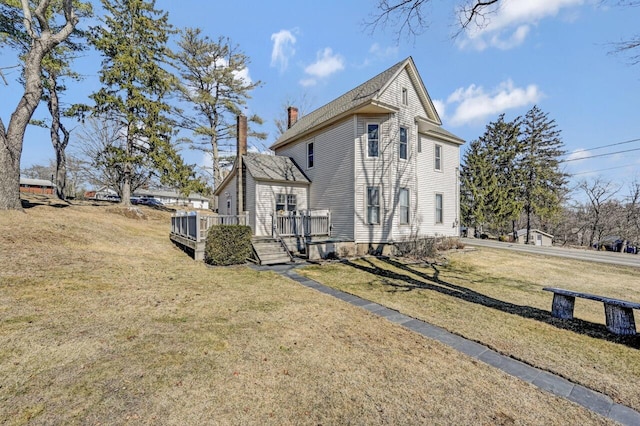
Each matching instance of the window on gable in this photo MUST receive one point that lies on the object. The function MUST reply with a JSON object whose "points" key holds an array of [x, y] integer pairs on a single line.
{"points": [[405, 96], [404, 206], [310, 155], [404, 138], [373, 139], [439, 212], [438, 157], [373, 205]]}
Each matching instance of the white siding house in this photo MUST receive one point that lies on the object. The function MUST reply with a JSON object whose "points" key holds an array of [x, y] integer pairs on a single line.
{"points": [[376, 158]]}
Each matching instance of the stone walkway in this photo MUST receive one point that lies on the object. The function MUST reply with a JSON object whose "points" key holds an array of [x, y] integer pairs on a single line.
{"points": [[544, 380]]}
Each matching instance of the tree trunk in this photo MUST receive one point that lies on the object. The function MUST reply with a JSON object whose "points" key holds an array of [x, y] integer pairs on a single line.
{"points": [[528, 210], [58, 145], [10, 175], [11, 140], [125, 197]]}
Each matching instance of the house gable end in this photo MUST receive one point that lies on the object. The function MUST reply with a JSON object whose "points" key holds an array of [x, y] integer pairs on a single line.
{"points": [[418, 87]]}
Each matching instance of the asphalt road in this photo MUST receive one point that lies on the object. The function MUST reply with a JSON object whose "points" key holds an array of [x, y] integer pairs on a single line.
{"points": [[622, 259]]}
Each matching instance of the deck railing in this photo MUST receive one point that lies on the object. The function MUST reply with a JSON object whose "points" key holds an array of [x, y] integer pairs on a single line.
{"points": [[304, 224], [194, 226]]}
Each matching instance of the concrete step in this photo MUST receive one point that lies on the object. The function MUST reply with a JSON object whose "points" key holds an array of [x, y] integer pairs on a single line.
{"points": [[270, 252], [269, 246], [275, 261]]}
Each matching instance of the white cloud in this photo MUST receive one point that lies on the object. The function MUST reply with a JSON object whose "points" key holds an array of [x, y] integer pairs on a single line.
{"points": [[283, 48], [578, 155], [326, 64], [474, 104], [441, 107], [308, 82], [383, 52], [507, 24]]}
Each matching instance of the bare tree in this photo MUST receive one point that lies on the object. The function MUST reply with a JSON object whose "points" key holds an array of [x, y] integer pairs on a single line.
{"points": [[98, 147], [43, 38], [600, 193], [410, 16]]}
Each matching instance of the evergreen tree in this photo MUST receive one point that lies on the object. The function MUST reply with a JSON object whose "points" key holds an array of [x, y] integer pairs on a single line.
{"points": [[491, 176], [135, 86], [543, 182], [477, 179], [215, 85]]}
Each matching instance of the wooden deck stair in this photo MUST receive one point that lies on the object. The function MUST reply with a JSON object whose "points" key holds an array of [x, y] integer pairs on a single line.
{"points": [[270, 251]]}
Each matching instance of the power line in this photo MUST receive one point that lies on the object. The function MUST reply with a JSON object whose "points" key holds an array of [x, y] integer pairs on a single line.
{"points": [[601, 170], [598, 155], [606, 146]]}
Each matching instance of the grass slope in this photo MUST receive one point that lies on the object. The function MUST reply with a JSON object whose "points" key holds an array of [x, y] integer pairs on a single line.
{"points": [[103, 321], [495, 297]]}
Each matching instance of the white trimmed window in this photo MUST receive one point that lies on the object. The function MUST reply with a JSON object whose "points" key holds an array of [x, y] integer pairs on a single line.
{"points": [[439, 209], [403, 201], [373, 139], [405, 96], [310, 155], [438, 158], [286, 202], [373, 205], [404, 143]]}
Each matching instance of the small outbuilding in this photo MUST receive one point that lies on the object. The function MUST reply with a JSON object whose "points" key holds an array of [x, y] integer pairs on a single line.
{"points": [[36, 186], [536, 237]]}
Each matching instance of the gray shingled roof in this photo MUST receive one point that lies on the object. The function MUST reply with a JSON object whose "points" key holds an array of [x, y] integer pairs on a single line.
{"points": [[273, 168], [430, 128], [35, 182], [350, 100]]}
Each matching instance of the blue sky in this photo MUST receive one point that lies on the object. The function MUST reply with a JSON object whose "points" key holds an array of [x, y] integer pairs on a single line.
{"points": [[553, 53]]}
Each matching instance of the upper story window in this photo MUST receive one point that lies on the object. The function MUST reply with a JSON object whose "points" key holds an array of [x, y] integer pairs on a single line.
{"points": [[405, 96], [403, 201], [373, 139], [310, 155], [404, 142], [373, 205], [438, 158]]}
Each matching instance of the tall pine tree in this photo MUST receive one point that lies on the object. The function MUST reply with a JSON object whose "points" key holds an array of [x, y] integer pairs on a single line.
{"points": [[133, 42], [543, 182], [491, 177], [215, 85]]}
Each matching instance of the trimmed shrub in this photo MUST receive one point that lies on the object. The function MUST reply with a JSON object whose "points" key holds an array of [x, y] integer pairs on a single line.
{"points": [[228, 245], [426, 247]]}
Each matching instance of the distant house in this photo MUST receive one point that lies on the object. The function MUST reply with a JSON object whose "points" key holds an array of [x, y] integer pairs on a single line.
{"points": [[376, 159], [536, 237], [36, 186], [174, 198]]}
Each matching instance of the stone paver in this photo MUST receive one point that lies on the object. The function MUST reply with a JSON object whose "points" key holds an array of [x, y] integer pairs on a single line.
{"points": [[544, 380]]}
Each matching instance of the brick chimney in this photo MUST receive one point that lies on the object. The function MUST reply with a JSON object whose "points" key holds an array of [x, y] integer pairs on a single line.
{"points": [[242, 135], [242, 150], [292, 116]]}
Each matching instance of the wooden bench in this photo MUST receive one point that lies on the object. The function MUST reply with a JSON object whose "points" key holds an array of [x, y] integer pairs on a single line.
{"points": [[619, 313]]}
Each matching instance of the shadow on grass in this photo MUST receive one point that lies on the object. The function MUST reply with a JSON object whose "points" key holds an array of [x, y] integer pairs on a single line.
{"points": [[43, 201], [403, 282]]}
